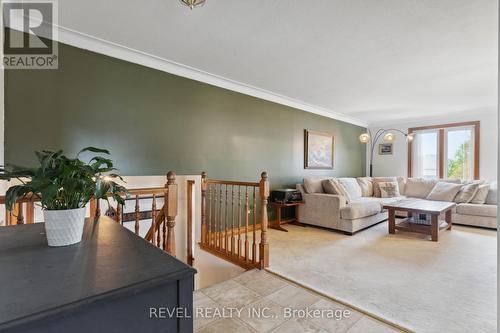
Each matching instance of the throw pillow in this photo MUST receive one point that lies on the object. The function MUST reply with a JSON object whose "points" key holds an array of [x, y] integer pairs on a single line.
{"points": [[389, 189], [419, 187], [329, 187], [492, 198], [313, 184], [481, 194], [466, 193], [351, 186], [444, 191], [401, 185], [340, 189], [366, 184], [376, 180]]}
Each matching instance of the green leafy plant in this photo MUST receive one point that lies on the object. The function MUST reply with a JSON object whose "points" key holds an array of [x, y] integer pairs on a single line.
{"points": [[63, 183], [459, 166]]}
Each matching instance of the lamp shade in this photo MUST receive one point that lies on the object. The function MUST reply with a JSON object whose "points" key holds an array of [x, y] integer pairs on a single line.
{"points": [[389, 137], [365, 137]]}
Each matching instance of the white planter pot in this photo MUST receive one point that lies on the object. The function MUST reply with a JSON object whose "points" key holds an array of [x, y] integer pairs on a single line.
{"points": [[64, 227]]}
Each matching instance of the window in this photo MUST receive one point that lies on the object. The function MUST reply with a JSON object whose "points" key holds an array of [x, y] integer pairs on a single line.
{"points": [[459, 145], [426, 156], [445, 151]]}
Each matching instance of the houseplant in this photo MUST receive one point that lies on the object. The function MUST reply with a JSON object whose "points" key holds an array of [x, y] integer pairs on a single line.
{"points": [[64, 187]]}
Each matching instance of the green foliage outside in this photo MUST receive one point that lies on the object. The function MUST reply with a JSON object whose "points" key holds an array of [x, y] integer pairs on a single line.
{"points": [[459, 166]]}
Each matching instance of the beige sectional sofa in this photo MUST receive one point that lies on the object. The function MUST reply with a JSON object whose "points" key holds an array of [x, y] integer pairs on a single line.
{"points": [[359, 204]]}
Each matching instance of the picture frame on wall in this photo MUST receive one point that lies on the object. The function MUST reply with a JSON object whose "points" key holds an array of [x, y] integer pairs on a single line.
{"points": [[318, 150], [385, 149]]}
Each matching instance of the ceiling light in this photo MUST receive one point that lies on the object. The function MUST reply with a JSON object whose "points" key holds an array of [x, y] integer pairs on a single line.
{"points": [[193, 3], [410, 137]]}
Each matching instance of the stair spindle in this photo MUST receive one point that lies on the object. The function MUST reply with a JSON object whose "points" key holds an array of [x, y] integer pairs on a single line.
{"points": [[137, 215], [209, 226], [246, 224], [164, 235], [153, 216], [254, 241], [232, 221], [203, 207], [20, 213], [220, 218], [239, 221], [226, 222], [158, 235], [118, 212]]}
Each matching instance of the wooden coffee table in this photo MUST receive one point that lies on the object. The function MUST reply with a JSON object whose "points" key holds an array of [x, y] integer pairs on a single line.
{"points": [[415, 207]]}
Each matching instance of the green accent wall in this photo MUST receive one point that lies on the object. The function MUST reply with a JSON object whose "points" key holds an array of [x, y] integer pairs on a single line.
{"points": [[153, 122]]}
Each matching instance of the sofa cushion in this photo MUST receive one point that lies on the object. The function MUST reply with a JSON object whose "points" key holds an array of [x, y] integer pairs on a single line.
{"points": [[419, 187], [341, 190], [477, 210], [330, 187], [357, 210], [481, 194], [314, 184], [366, 185], [389, 189], [492, 198], [380, 200], [376, 180], [351, 186], [443, 191], [466, 193]]}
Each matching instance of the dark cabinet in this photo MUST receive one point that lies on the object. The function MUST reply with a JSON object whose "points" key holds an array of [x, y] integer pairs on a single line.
{"points": [[113, 281]]}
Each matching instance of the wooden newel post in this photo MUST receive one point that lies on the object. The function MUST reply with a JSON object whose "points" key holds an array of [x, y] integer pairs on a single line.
{"points": [[203, 207], [170, 208], [94, 208], [263, 246]]}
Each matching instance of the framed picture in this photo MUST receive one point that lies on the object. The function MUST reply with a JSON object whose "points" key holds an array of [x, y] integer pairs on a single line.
{"points": [[385, 149], [318, 150]]}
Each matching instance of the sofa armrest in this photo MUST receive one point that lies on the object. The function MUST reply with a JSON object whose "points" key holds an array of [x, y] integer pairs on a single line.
{"points": [[321, 205], [338, 201]]}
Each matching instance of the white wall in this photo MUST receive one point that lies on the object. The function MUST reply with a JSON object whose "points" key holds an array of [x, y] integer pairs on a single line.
{"points": [[397, 164]]}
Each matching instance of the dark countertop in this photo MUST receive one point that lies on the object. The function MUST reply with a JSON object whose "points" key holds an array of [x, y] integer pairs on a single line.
{"points": [[37, 280]]}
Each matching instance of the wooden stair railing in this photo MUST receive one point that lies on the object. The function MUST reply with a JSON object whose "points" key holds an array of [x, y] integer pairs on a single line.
{"points": [[161, 233], [23, 211], [229, 220]]}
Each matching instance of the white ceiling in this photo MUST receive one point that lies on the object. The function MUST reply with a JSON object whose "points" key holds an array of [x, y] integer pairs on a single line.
{"points": [[378, 61]]}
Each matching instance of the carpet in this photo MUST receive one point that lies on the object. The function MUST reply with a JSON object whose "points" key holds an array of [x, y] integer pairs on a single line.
{"points": [[404, 279]]}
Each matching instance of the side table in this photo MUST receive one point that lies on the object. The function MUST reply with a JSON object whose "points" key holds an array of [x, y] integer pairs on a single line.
{"points": [[276, 224]]}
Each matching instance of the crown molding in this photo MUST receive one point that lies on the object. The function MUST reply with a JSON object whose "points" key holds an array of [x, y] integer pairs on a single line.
{"points": [[101, 46], [94, 44]]}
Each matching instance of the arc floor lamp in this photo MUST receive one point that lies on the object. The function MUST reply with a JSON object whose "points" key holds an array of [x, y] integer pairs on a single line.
{"points": [[388, 137]]}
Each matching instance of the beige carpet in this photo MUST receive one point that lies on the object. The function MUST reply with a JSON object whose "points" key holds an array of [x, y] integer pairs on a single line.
{"points": [[423, 286]]}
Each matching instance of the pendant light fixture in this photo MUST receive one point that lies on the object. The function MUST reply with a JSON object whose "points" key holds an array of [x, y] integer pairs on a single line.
{"points": [[193, 3]]}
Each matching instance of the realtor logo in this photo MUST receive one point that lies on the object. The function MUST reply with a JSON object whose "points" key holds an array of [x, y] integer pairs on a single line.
{"points": [[30, 41]]}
